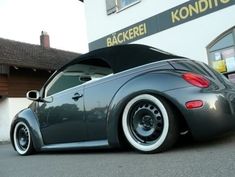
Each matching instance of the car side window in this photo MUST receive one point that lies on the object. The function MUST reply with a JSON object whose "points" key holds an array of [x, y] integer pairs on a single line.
{"points": [[62, 82], [75, 75]]}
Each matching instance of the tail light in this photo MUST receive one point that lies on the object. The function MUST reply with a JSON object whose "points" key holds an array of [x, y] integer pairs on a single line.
{"points": [[196, 80]]}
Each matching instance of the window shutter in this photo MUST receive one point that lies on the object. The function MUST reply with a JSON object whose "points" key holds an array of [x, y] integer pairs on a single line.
{"points": [[110, 6]]}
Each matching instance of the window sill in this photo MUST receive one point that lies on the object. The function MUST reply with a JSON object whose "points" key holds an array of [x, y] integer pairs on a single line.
{"points": [[128, 6]]}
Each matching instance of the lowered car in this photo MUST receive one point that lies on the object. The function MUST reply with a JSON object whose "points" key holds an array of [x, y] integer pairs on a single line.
{"points": [[127, 94]]}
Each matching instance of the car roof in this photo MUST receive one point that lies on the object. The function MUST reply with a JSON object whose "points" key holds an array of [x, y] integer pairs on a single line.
{"points": [[123, 57]]}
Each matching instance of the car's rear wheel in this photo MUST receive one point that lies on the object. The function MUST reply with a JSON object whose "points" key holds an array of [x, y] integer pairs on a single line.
{"points": [[149, 124], [22, 139]]}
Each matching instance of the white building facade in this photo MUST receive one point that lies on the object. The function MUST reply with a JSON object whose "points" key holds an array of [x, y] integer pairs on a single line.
{"points": [[9, 108], [203, 30]]}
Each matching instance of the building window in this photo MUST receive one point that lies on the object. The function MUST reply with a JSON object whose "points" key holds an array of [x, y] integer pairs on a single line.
{"points": [[113, 6], [122, 4], [221, 53]]}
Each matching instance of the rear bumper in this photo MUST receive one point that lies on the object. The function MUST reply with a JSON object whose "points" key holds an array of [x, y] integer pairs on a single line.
{"points": [[215, 117]]}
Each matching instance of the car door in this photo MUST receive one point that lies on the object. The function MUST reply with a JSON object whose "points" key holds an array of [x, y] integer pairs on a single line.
{"points": [[61, 115]]}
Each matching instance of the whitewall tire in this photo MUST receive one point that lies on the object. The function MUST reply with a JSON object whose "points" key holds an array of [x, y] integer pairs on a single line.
{"points": [[22, 138], [149, 124]]}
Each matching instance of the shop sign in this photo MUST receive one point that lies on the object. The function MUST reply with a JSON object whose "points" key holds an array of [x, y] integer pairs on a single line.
{"points": [[180, 14], [195, 8], [132, 33]]}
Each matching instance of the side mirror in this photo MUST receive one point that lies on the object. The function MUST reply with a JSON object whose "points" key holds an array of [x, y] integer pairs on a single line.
{"points": [[33, 95]]}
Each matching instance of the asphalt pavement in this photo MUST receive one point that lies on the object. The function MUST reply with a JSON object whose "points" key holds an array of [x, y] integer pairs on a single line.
{"points": [[215, 158]]}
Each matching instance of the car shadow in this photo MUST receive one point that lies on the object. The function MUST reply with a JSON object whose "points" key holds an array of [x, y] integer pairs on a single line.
{"points": [[87, 151], [185, 143]]}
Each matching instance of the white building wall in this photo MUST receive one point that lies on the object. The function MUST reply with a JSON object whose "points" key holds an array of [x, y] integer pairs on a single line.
{"points": [[9, 107], [100, 24], [189, 39], [4, 119]]}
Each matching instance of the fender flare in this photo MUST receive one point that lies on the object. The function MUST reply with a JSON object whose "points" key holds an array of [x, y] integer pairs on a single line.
{"points": [[29, 117], [142, 84]]}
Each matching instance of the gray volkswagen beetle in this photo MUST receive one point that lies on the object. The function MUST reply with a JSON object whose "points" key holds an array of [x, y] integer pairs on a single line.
{"points": [[131, 94]]}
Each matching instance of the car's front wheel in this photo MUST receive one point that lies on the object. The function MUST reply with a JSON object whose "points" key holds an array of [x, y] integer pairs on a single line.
{"points": [[149, 124], [22, 138]]}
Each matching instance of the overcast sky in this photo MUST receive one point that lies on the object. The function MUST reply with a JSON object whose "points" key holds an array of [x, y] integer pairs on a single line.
{"points": [[63, 20]]}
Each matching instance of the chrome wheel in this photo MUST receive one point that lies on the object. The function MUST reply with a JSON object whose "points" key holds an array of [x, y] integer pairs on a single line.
{"points": [[146, 123], [22, 138]]}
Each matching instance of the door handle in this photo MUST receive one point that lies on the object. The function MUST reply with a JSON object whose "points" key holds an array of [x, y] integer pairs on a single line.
{"points": [[76, 96]]}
